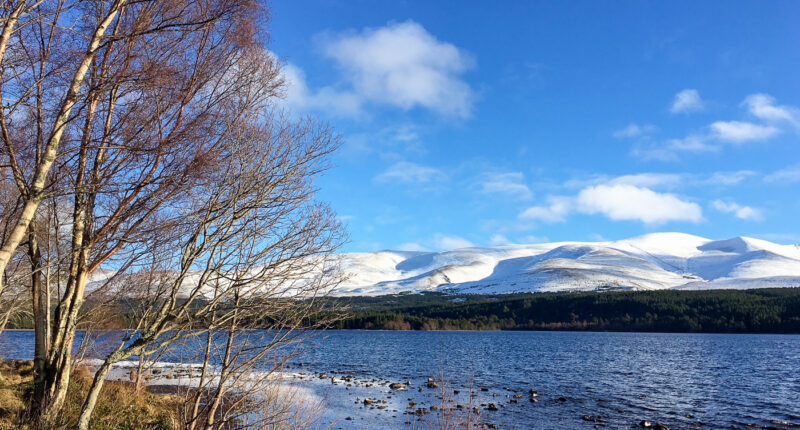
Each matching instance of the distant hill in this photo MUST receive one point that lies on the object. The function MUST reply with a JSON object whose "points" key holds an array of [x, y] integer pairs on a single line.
{"points": [[650, 262]]}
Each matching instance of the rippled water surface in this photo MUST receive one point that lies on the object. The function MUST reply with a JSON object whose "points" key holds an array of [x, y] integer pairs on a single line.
{"points": [[680, 380]]}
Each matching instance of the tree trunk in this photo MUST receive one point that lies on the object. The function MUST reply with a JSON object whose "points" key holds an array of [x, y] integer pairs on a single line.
{"points": [[41, 310], [59, 363], [94, 392]]}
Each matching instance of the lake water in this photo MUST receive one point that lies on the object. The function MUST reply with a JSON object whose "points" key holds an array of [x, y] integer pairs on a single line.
{"points": [[616, 379]]}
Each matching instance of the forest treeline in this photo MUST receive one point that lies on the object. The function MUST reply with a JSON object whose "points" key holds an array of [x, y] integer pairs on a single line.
{"points": [[775, 310], [716, 311]]}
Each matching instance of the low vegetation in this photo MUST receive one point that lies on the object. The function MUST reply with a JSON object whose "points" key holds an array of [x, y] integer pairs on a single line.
{"points": [[119, 407], [718, 311]]}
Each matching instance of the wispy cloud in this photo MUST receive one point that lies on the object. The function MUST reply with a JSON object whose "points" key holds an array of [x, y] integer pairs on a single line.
{"points": [[663, 181], [444, 242], [786, 175], [556, 210], [633, 131], [686, 101], [649, 180], [729, 178], [509, 184], [499, 239], [392, 142], [742, 212], [670, 150], [788, 238], [411, 246], [410, 173]]}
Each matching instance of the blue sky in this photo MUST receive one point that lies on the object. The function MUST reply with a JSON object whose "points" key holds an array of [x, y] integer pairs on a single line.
{"points": [[483, 123]]}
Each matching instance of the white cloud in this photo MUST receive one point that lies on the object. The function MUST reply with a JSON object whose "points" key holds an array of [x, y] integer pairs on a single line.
{"points": [[333, 101], [785, 176], [763, 107], [741, 212], [685, 101], [628, 202], [556, 211], [411, 246], [407, 172], [510, 184], [618, 202], [738, 131], [443, 242], [633, 131], [773, 118], [403, 65]]}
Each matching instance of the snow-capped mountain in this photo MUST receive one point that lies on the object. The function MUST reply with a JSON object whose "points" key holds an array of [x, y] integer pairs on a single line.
{"points": [[650, 262]]}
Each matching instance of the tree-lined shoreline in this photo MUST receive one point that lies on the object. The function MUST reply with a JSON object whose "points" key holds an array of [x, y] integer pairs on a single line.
{"points": [[763, 311], [769, 310]]}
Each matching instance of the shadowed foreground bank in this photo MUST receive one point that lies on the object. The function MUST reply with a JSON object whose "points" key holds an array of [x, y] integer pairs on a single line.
{"points": [[121, 406], [774, 310]]}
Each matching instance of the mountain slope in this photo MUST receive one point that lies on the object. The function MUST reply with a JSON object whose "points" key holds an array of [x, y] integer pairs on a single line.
{"points": [[649, 262]]}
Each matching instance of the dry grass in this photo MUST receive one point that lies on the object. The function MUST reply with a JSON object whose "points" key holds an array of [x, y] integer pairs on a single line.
{"points": [[119, 406]]}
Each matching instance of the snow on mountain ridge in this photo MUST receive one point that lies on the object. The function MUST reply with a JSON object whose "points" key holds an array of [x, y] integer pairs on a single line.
{"points": [[652, 261]]}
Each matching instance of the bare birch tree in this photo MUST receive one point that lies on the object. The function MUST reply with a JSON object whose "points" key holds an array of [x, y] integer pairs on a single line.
{"points": [[125, 114], [254, 252]]}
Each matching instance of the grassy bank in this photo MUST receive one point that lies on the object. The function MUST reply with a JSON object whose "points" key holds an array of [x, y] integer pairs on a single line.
{"points": [[119, 406], [718, 311]]}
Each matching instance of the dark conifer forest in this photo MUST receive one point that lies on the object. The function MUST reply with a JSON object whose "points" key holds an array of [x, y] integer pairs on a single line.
{"points": [[716, 311]]}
